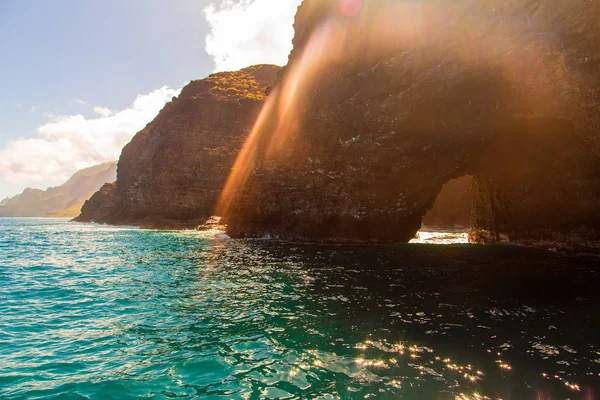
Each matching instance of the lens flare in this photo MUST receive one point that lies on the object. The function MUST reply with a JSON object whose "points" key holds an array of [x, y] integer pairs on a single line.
{"points": [[350, 8], [277, 120], [241, 169]]}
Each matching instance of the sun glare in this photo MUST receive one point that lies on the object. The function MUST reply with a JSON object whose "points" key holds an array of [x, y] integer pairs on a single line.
{"points": [[350, 8], [277, 120]]}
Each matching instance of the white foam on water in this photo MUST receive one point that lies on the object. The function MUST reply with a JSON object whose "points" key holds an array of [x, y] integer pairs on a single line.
{"points": [[431, 237]]}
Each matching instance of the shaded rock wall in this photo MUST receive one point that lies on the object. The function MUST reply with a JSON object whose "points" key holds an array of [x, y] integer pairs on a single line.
{"points": [[105, 203], [402, 97], [536, 174], [171, 174]]}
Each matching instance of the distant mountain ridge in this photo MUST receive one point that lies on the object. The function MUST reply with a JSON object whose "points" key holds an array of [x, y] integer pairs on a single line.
{"points": [[61, 201]]}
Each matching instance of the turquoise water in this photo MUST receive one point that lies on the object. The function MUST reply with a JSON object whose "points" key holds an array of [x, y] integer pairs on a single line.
{"points": [[92, 312]]}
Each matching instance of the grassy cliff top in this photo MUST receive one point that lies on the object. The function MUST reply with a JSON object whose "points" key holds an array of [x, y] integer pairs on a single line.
{"points": [[236, 86], [249, 83]]}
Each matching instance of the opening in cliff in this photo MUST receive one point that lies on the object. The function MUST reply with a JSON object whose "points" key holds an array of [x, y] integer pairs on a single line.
{"points": [[448, 222]]}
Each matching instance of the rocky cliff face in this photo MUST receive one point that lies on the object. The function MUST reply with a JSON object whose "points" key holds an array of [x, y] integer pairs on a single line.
{"points": [[102, 205], [61, 201], [381, 105], [536, 175], [172, 173]]}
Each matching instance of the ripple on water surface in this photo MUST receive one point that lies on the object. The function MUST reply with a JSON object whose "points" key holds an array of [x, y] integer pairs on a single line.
{"points": [[100, 312]]}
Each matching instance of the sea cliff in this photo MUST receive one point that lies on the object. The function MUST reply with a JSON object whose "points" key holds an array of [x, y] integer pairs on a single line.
{"points": [[398, 98], [171, 174]]}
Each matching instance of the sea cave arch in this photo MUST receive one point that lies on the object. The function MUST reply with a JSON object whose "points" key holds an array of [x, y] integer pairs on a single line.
{"points": [[452, 207], [529, 175], [449, 219], [365, 126]]}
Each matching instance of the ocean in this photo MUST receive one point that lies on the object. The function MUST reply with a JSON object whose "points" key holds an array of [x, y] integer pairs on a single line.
{"points": [[97, 312]]}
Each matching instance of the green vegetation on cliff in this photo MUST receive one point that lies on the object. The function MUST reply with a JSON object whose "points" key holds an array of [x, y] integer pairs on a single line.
{"points": [[236, 86]]}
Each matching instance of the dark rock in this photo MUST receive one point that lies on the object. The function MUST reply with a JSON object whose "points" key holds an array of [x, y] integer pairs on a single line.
{"points": [[536, 175], [212, 224], [104, 203]]}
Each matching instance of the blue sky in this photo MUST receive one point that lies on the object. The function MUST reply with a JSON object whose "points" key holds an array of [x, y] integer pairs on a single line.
{"points": [[55, 53], [67, 64]]}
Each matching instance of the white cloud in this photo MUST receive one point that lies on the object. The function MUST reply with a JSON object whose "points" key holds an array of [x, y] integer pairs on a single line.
{"points": [[103, 111], [71, 142], [248, 32]]}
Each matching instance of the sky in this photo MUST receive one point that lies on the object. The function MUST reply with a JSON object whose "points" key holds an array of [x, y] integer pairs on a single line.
{"points": [[79, 78]]}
